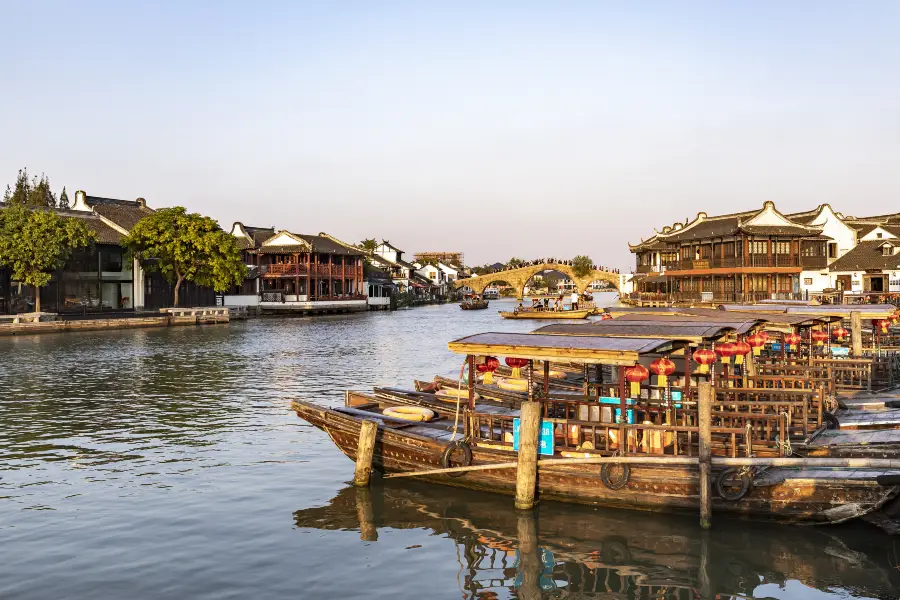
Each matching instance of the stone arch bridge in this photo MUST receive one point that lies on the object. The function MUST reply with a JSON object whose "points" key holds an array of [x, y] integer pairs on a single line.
{"points": [[517, 278]]}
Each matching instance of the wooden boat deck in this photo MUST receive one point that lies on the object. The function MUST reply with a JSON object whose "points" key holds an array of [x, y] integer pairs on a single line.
{"points": [[869, 419], [837, 437]]}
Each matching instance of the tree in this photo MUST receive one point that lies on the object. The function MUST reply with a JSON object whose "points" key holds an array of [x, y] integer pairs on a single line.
{"points": [[186, 246], [34, 243], [368, 245], [582, 265], [515, 262], [63, 199], [34, 192]]}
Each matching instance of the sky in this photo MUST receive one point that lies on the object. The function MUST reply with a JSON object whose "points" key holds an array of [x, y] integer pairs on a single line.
{"points": [[498, 129]]}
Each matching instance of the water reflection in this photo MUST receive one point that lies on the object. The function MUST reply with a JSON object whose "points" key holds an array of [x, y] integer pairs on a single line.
{"points": [[578, 552]]}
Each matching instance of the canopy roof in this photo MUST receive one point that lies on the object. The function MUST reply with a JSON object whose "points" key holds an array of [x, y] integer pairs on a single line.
{"points": [[696, 332], [825, 312], [577, 349], [740, 324]]}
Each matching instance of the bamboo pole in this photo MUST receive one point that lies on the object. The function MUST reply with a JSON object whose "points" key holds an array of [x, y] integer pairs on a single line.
{"points": [[364, 450], [856, 333], [526, 469], [674, 461], [704, 415]]}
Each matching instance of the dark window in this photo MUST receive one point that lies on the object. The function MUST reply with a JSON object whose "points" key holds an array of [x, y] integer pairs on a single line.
{"points": [[832, 249]]}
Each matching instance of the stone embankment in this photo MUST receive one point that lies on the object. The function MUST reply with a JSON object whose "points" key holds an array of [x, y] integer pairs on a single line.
{"points": [[169, 317]]}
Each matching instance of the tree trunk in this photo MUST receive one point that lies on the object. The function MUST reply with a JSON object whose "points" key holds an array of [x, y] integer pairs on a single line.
{"points": [[37, 299], [177, 287]]}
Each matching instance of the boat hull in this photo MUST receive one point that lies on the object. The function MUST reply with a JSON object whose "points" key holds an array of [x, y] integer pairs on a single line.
{"points": [[653, 488], [550, 314]]}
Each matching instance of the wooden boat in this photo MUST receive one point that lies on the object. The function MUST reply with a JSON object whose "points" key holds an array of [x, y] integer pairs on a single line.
{"points": [[547, 314], [666, 474], [472, 302]]}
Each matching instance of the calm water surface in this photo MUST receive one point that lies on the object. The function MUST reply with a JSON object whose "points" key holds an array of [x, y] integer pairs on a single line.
{"points": [[166, 464]]}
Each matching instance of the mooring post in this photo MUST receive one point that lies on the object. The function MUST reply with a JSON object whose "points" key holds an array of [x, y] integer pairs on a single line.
{"points": [[529, 437], [704, 409], [365, 514], [530, 565], [856, 334], [365, 448]]}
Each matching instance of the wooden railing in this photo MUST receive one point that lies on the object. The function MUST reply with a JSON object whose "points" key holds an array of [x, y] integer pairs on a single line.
{"points": [[302, 269], [805, 408]]}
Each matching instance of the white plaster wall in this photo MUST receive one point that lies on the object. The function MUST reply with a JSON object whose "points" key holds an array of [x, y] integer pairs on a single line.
{"points": [[837, 230]]}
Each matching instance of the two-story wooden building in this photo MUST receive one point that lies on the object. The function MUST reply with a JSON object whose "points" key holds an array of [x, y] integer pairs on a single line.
{"points": [[741, 257], [298, 272]]}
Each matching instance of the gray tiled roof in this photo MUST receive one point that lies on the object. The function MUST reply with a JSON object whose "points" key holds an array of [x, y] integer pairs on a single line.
{"points": [[867, 255]]}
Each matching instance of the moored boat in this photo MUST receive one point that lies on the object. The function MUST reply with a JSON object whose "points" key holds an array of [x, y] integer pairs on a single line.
{"points": [[547, 314], [473, 302]]}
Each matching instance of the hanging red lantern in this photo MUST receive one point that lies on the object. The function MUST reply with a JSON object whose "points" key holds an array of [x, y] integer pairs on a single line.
{"points": [[741, 349], [704, 357], [725, 351], [895, 318], [491, 364], [516, 365], [605, 316], [663, 367], [840, 334], [819, 337], [635, 375], [883, 325], [791, 340], [756, 341]]}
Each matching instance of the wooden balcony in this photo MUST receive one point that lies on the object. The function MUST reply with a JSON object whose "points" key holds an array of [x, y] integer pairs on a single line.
{"points": [[301, 270]]}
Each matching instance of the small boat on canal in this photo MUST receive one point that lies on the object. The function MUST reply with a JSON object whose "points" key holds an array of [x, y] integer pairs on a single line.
{"points": [[644, 442], [529, 313], [473, 302]]}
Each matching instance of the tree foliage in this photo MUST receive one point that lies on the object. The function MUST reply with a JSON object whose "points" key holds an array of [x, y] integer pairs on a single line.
{"points": [[515, 262], [582, 265], [34, 192], [368, 245], [63, 199], [186, 246], [34, 243]]}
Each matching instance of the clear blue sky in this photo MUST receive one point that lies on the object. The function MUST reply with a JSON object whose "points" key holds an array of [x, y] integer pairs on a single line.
{"points": [[495, 128]]}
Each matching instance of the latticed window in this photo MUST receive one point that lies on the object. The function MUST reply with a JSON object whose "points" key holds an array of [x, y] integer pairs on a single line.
{"points": [[759, 247], [782, 247]]}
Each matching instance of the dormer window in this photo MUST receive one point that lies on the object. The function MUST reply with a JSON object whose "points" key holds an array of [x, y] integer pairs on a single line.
{"points": [[879, 235], [887, 250]]}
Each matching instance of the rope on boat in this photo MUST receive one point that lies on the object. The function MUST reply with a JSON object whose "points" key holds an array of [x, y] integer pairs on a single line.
{"points": [[786, 448], [458, 398]]}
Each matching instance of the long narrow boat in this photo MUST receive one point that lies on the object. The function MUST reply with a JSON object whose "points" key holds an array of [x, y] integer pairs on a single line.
{"points": [[667, 479], [547, 314]]}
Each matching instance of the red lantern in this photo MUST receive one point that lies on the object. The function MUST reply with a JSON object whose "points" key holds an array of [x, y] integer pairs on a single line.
{"points": [[663, 367], [840, 334], [756, 341], [791, 339], [883, 324], [741, 349], [491, 364], [704, 357], [516, 365], [895, 318], [635, 375], [725, 352], [819, 337], [605, 316]]}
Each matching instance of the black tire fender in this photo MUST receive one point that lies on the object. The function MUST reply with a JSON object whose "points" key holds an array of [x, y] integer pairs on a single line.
{"points": [[733, 495], [616, 484], [831, 421], [448, 452]]}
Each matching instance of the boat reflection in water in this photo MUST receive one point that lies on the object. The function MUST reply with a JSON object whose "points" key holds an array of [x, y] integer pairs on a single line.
{"points": [[578, 552]]}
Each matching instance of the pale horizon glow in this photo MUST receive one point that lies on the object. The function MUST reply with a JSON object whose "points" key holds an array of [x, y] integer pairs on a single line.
{"points": [[497, 129]]}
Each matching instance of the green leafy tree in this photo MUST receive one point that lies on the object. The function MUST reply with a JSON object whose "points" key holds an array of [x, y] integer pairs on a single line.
{"points": [[34, 192], [368, 245], [34, 243], [515, 262], [63, 199], [582, 265], [185, 246]]}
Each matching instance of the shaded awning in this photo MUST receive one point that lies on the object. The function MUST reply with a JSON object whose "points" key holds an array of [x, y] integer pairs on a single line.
{"points": [[576, 349], [696, 333]]}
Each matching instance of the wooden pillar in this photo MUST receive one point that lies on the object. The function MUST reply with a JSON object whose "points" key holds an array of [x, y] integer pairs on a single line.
{"points": [[343, 277], [546, 379], [856, 334], [686, 390], [586, 386], [530, 380], [623, 408], [529, 438], [471, 361], [297, 275], [365, 449], [704, 412], [308, 278]]}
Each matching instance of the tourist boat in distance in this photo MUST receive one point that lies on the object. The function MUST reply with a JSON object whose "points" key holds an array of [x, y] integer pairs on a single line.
{"points": [[660, 438], [473, 302], [491, 293], [529, 313]]}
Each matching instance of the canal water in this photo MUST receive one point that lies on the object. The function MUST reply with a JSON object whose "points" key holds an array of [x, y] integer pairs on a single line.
{"points": [[167, 464]]}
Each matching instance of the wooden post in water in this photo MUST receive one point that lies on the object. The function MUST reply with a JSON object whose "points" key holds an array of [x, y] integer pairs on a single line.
{"points": [[365, 514], [856, 334], [365, 448], [704, 411], [529, 438], [530, 565]]}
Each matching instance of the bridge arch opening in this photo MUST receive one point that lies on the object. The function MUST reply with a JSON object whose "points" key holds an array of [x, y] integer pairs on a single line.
{"points": [[547, 282], [498, 283]]}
